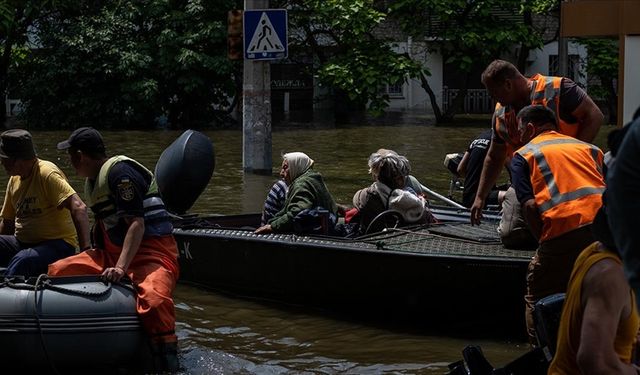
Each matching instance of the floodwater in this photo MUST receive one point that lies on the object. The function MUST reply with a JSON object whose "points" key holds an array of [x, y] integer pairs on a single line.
{"points": [[223, 334]]}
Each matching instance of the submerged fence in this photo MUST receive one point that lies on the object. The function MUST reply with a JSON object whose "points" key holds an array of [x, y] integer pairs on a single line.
{"points": [[476, 100]]}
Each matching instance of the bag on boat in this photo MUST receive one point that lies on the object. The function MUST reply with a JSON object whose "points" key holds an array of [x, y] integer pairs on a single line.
{"points": [[314, 221], [409, 205]]}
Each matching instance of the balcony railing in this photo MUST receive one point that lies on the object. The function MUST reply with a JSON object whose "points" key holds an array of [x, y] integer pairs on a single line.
{"points": [[476, 100]]}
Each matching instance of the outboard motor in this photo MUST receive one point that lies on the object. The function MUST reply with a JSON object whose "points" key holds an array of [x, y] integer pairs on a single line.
{"points": [[451, 162], [547, 313], [184, 170]]}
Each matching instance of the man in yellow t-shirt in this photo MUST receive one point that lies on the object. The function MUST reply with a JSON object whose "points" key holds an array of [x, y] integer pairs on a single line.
{"points": [[43, 219]]}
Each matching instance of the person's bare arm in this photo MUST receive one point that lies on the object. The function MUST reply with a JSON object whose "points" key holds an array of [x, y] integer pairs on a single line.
{"points": [[80, 218], [532, 217], [590, 118], [606, 299], [462, 166], [130, 247], [491, 169]]}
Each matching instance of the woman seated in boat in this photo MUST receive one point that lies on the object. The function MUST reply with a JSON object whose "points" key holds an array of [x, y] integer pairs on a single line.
{"points": [[392, 189], [307, 191], [274, 201]]}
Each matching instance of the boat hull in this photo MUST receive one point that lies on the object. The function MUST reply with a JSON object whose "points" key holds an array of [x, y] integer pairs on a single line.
{"points": [[418, 277], [70, 323]]}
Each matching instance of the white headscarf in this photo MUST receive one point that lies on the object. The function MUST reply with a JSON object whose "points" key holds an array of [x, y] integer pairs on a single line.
{"points": [[298, 163]]}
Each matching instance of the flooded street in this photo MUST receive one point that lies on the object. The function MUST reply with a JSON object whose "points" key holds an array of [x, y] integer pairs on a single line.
{"points": [[223, 334]]}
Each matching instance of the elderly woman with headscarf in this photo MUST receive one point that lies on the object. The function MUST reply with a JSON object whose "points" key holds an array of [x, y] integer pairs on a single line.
{"points": [[391, 190], [307, 190]]}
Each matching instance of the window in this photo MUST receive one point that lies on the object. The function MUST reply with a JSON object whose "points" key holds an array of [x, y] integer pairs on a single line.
{"points": [[394, 91], [573, 66]]}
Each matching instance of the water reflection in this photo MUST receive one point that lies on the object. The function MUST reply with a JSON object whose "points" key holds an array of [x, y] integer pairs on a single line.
{"points": [[223, 335], [258, 338]]}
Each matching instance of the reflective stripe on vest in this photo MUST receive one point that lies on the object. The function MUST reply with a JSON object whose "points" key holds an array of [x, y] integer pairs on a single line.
{"points": [[102, 204], [580, 187], [545, 90]]}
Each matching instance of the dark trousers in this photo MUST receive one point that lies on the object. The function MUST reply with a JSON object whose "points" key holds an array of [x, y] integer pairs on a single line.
{"points": [[31, 260], [550, 269]]}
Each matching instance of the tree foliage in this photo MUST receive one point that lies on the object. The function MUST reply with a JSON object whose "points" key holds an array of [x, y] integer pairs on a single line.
{"points": [[129, 64], [339, 35], [468, 33], [16, 17], [602, 70]]}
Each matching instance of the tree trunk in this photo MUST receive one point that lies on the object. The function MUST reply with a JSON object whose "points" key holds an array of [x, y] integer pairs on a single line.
{"points": [[458, 102], [612, 100], [524, 51], [432, 98]]}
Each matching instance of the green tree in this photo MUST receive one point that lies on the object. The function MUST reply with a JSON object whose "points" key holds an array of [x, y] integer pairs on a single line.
{"points": [[339, 36], [602, 71], [16, 17], [129, 64], [468, 33]]}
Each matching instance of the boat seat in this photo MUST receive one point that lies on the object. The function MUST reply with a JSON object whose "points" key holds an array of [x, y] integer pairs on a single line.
{"points": [[385, 220]]}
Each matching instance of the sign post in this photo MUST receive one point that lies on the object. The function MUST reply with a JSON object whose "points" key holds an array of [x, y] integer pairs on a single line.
{"points": [[265, 38]]}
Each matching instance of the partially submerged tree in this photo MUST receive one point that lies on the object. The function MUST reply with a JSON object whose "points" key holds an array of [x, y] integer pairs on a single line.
{"points": [[339, 35], [17, 17], [129, 64], [467, 33]]}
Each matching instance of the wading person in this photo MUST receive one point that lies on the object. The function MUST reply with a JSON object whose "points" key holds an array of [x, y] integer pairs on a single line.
{"points": [[43, 219], [133, 237], [307, 190], [559, 183], [576, 116]]}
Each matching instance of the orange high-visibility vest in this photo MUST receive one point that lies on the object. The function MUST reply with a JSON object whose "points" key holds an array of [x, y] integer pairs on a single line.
{"points": [[545, 91], [566, 176]]}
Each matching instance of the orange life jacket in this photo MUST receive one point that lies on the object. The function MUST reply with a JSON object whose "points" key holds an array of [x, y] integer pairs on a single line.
{"points": [[544, 91], [566, 176]]}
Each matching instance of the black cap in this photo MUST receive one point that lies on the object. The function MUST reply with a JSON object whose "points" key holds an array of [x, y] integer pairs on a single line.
{"points": [[83, 139], [16, 144]]}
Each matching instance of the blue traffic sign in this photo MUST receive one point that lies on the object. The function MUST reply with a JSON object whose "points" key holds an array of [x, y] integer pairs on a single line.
{"points": [[265, 34]]}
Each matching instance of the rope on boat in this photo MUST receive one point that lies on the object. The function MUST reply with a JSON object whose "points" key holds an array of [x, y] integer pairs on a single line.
{"points": [[35, 312]]}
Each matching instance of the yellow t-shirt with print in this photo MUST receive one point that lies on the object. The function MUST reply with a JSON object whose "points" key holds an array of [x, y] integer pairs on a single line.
{"points": [[34, 204]]}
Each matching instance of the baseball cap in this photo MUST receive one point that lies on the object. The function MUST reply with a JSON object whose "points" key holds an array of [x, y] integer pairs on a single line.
{"points": [[83, 139]]}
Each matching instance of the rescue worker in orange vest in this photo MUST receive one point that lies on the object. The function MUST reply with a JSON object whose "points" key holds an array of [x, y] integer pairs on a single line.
{"points": [[576, 115], [559, 183], [132, 235]]}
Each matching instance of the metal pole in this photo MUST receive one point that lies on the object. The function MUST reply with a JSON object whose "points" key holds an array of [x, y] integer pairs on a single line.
{"points": [[256, 110], [562, 53]]}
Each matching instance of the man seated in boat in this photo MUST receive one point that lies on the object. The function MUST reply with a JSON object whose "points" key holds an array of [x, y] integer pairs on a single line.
{"points": [[391, 190], [133, 235], [307, 191], [42, 216], [470, 167], [559, 183]]}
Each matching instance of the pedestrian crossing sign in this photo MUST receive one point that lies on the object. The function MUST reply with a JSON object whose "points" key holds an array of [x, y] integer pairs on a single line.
{"points": [[265, 34]]}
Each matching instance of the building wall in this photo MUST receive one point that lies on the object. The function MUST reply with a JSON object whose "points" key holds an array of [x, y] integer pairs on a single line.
{"points": [[539, 60], [413, 95]]}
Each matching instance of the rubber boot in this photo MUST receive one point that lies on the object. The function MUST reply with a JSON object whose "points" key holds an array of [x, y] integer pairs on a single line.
{"points": [[165, 357]]}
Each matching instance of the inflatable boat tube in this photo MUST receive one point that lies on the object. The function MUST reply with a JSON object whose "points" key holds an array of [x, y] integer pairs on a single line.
{"points": [[74, 322], [184, 170]]}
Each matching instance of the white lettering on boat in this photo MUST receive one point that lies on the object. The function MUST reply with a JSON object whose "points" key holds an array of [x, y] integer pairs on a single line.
{"points": [[185, 250]]}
